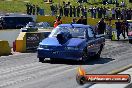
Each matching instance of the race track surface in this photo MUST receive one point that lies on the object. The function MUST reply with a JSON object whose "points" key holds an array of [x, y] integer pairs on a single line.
{"points": [[24, 71]]}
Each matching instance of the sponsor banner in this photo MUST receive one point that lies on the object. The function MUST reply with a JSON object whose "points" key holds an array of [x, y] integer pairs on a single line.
{"points": [[32, 41]]}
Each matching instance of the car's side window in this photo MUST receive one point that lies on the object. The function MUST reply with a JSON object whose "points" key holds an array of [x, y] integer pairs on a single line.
{"points": [[90, 32]]}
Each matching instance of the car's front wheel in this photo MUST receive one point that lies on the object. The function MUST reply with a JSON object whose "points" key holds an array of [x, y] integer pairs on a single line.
{"points": [[41, 59]]}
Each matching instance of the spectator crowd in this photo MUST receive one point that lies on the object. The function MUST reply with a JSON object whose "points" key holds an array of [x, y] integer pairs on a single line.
{"points": [[69, 10], [120, 12], [32, 9]]}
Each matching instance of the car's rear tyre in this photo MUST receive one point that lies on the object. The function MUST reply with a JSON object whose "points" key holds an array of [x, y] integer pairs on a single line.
{"points": [[84, 55], [97, 56], [41, 59], [130, 41]]}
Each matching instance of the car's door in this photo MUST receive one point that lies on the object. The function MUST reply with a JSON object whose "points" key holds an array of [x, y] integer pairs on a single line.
{"points": [[93, 46]]}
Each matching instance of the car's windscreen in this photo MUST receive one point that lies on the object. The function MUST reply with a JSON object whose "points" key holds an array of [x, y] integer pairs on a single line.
{"points": [[77, 32]]}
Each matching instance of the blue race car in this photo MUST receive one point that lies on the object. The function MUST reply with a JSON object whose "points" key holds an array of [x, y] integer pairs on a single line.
{"points": [[71, 41]]}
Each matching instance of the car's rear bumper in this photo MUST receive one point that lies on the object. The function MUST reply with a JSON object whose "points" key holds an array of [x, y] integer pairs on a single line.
{"points": [[72, 54]]}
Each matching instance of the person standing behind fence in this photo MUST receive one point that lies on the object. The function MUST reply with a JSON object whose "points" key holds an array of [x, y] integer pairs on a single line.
{"points": [[118, 12], [52, 8], [37, 9], [98, 11], [82, 10], [56, 9], [101, 26], [109, 29], [64, 7], [118, 28], [129, 14], [123, 29], [104, 12], [94, 11], [85, 12], [113, 13], [61, 11], [71, 11], [74, 11], [28, 7], [101, 12], [107, 13], [122, 14], [33, 12], [91, 11], [67, 10], [78, 11]]}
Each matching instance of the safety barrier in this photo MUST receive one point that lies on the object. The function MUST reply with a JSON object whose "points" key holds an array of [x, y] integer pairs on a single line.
{"points": [[4, 48], [21, 42], [51, 19], [29, 41]]}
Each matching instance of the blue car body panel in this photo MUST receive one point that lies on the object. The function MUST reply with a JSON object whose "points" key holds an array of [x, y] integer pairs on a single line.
{"points": [[71, 49], [71, 42]]}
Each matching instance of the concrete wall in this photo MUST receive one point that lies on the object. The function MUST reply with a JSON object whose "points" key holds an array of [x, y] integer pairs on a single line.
{"points": [[10, 35]]}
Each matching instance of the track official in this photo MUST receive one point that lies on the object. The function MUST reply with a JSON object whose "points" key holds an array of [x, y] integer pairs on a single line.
{"points": [[57, 21]]}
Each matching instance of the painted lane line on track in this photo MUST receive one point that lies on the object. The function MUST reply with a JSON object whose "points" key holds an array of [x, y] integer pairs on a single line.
{"points": [[120, 69]]}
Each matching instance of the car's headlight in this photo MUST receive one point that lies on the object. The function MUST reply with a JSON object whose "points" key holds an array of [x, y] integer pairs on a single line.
{"points": [[43, 47], [40, 46], [72, 48]]}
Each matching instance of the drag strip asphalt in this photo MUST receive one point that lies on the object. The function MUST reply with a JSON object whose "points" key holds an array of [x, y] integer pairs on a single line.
{"points": [[24, 70]]}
